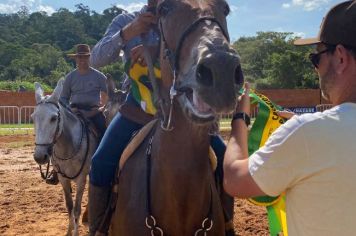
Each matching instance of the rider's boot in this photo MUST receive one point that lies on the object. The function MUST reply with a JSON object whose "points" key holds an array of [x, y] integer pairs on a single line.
{"points": [[53, 179], [98, 204]]}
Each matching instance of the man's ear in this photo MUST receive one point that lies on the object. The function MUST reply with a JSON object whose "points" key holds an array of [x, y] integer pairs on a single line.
{"points": [[343, 59]]}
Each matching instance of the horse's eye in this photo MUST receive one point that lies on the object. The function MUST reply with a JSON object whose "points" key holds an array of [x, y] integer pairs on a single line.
{"points": [[53, 118], [163, 9], [226, 9]]}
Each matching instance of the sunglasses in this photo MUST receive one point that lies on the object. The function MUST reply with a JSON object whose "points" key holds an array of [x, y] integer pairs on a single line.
{"points": [[315, 57]]}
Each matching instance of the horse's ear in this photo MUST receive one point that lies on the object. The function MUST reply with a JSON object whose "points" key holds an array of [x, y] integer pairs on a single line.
{"points": [[38, 92], [57, 91]]}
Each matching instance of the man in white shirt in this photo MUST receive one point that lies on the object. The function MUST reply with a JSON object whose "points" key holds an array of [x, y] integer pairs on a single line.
{"points": [[312, 157]]}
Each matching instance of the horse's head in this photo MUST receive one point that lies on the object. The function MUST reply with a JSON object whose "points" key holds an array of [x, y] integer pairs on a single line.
{"points": [[196, 46], [116, 98], [46, 119]]}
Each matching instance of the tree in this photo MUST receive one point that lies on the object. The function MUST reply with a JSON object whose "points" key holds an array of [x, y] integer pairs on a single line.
{"points": [[270, 60]]}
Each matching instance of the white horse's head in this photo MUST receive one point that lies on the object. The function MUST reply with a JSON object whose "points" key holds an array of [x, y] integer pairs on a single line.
{"points": [[47, 122]]}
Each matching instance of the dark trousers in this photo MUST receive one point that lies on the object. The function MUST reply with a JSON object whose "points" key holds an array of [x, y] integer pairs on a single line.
{"points": [[99, 122]]}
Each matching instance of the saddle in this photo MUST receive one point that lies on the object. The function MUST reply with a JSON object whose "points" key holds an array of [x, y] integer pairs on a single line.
{"points": [[84, 116], [85, 111], [140, 137], [136, 114]]}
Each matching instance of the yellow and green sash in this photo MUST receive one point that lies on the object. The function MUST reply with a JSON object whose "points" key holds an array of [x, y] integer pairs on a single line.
{"points": [[141, 86], [266, 122]]}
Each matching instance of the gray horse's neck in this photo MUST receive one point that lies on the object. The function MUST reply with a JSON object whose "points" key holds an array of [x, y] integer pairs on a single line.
{"points": [[71, 135]]}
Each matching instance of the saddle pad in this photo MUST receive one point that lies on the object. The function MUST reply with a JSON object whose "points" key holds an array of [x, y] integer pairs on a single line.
{"points": [[135, 142]]}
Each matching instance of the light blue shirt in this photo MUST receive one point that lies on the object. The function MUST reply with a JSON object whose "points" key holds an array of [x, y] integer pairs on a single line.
{"points": [[107, 50]]}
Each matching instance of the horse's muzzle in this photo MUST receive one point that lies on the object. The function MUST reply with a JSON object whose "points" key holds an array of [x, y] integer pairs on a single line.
{"points": [[42, 154], [219, 73]]}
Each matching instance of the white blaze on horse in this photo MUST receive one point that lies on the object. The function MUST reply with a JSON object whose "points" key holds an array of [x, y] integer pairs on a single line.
{"points": [[63, 140]]}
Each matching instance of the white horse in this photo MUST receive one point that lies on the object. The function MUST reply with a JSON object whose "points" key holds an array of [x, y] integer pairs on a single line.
{"points": [[63, 140]]}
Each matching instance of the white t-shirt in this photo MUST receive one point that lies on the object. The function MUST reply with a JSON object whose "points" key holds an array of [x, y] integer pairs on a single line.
{"points": [[312, 158]]}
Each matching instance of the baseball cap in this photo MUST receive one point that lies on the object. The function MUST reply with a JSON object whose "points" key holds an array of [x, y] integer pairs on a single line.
{"points": [[337, 27]]}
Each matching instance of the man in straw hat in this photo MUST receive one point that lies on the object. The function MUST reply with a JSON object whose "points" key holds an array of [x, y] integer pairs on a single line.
{"points": [[83, 86], [82, 92], [312, 157]]}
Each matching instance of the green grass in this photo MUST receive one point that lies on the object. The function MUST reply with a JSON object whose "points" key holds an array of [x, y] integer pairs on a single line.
{"points": [[15, 126], [15, 129]]}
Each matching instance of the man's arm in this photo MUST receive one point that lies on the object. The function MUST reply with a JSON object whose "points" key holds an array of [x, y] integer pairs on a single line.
{"points": [[122, 29], [107, 50], [237, 178]]}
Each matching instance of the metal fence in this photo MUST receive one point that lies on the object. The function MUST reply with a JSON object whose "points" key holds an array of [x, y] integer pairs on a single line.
{"points": [[16, 115], [22, 115], [9, 115], [25, 114], [323, 107]]}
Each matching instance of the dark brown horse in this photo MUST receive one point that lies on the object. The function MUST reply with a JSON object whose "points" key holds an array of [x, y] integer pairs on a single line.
{"points": [[167, 186]]}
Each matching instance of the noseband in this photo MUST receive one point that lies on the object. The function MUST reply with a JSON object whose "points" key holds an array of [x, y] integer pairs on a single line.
{"points": [[56, 134], [174, 57]]}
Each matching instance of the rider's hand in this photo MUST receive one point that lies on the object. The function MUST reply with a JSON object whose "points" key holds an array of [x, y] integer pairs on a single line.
{"points": [[74, 109], [141, 24], [137, 55]]}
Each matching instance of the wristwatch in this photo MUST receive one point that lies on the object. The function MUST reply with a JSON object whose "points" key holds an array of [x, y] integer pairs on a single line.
{"points": [[243, 116]]}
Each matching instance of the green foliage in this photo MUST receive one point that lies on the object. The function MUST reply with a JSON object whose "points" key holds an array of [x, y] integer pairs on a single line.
{"points": [[33, 47], [270, 60], [116, 70], [24, 85]]}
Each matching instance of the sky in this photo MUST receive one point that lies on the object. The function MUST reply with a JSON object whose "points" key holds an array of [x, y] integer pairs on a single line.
{"points": [[302, 17]]}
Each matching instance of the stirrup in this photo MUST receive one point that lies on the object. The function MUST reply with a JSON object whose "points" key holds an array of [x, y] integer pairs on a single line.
{"points": [[53, 179]]}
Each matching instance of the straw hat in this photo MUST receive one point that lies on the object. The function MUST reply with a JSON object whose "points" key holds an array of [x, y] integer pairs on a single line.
{"points": [[81, 50]]}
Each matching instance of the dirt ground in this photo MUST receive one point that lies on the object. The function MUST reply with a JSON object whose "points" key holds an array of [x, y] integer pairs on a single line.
{"points": [[28, 206]]}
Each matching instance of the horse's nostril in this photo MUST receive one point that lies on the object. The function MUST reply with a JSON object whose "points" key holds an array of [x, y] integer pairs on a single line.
{"points": [[204, 76], [239, 76]]}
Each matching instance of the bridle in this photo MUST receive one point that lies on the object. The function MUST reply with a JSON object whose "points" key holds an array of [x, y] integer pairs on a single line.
{"points": [[57, 134], [55, 138], [173, 58], [150, 221]]}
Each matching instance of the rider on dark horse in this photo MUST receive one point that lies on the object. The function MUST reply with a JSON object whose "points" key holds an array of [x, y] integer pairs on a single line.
{"points": [[127, 32], [82, 93]]}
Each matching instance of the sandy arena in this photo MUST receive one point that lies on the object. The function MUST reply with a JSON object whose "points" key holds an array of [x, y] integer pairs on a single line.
{"points": [[28, 206]]}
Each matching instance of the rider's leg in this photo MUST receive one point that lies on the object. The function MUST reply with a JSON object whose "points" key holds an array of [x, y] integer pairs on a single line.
{"points": [[99, 122], [105, 159], [104, 165], [227, 201]]}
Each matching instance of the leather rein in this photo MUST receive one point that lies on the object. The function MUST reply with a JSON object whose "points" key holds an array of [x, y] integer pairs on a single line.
{"points": [[173, 58]]}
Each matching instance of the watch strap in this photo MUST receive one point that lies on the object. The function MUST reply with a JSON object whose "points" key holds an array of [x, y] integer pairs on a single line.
{"points": [[243, 116]]}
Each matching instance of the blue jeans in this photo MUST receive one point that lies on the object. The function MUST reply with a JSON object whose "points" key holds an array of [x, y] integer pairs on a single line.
{"points": [[113, 143], [219, 148]]}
